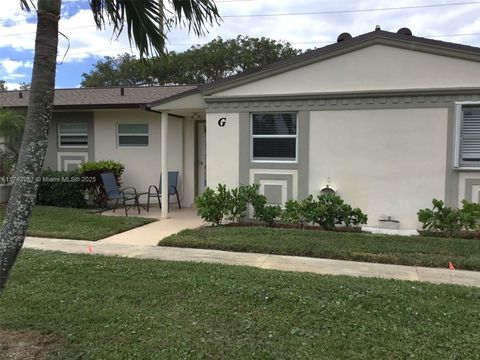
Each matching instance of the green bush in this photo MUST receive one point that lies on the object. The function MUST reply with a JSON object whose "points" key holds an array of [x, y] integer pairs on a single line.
{"points": [[440, 218], [292, 213], [93, 169], [213, 206], [238, 203], [62, 189], [328, 210], [470, 216]]}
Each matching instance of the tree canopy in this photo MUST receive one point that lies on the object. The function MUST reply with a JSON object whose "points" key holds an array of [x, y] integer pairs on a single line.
{"points": [[198, 65]]}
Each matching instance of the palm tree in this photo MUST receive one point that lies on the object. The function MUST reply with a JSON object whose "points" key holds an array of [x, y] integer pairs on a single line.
{"points": [[145, 21], [12, 124]]}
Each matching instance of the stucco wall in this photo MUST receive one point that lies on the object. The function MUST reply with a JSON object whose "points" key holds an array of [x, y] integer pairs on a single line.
{"points": [[389, 162], [223, 150], [377, 67], [142, 164]]}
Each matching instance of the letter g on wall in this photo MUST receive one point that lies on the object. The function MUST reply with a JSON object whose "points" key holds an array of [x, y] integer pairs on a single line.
{"points": [[222, 121]]}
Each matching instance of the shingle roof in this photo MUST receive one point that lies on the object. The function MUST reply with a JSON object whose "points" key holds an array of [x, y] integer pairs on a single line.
{"points": [[99, 97]]}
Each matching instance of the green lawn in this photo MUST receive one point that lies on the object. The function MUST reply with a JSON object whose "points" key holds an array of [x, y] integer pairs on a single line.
{"points": [[116, 308], [67, 223], [390, 249]]}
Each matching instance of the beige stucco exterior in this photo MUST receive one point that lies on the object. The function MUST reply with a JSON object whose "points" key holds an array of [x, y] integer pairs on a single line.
{"points": [[387, 162], [143, 164], [377, 67], [223, 150]]}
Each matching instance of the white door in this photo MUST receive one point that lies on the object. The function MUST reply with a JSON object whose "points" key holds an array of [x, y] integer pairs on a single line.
{"points": [[201, 156]]}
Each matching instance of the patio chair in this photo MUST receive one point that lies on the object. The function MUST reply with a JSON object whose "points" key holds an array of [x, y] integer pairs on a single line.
{"points": [[154, 191], [113, 192]]}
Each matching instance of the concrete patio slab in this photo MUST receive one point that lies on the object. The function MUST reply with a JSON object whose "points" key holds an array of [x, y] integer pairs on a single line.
{"points": [[263, 261]]}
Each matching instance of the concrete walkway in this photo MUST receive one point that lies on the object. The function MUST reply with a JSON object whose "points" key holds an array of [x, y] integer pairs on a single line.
{"points": [[152, 233], [263, 261]]}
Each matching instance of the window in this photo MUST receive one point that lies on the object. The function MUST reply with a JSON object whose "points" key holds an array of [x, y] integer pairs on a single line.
{"points": [[73, 135], [467, 135], [274, 137], [133, 135]]}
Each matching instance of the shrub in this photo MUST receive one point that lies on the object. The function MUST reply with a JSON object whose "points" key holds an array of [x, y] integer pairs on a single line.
{"points": [[440, 218], [470, 216], [268, 214], [93, 169], [328, 210], [61, 188], [213, 206], [238, 202], [292, 213]]}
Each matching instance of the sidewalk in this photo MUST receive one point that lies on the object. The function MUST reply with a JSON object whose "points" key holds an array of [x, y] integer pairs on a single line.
{"points": [[263, 261]]}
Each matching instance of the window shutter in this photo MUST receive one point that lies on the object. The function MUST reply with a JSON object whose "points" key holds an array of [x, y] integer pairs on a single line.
{"points": [[471, 134]]}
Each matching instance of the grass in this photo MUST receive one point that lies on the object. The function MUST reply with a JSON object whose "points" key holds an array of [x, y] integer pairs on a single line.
{"points": [[390, 249], [114, 308], [67, 223]]}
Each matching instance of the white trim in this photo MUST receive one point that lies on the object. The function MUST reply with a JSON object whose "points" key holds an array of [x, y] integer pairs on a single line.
{"points": [[456, 135], [475, 194], [60, 154], [283, 136], [294, 174], [457, 125]]}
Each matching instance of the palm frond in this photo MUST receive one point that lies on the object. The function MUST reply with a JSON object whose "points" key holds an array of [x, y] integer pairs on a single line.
{"points": [[144, 19], [24, 5]]}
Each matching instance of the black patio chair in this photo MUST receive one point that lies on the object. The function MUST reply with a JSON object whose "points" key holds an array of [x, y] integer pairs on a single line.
{"points": [[113, 192], [154, 191]]}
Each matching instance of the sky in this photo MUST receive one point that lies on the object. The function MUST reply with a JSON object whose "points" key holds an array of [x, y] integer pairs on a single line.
{"points": [[306, 24]]}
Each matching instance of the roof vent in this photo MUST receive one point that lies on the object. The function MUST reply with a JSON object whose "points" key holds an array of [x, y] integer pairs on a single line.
{"points": [[122, 91], [378, 28], [343, 36], [20, 95], [405, 31]]}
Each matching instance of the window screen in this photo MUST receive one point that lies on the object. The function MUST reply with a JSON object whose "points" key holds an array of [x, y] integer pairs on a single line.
{"points": [[274, 136], [73, 134], [132, 135]]}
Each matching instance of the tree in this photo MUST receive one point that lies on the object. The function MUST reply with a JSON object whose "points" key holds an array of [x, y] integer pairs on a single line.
{"points": [[2, 85], [145, 21], [198, 65], [12, 124]]}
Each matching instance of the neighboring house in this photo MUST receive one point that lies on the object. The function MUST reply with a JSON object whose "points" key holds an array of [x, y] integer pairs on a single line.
{"points": [[388, 120]]}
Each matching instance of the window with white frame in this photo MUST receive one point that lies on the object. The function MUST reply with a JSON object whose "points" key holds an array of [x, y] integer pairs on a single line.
{"points": [[467, 124], [132, 135], [274, 137], [73, 135]]}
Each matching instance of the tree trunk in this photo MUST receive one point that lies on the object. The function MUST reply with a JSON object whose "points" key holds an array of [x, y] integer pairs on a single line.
{"points": [[35, 138]]}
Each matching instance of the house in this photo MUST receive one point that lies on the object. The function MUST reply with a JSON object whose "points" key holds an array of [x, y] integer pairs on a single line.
{"points": [[388, 120]]}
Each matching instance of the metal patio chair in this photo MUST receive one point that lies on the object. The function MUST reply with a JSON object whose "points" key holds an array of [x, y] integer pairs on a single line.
{"points": [[154, 191], [113, 192]]}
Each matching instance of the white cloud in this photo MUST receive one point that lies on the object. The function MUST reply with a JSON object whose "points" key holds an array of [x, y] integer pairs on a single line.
{"points": [[9, 69], [307, 31], [12, 85]]}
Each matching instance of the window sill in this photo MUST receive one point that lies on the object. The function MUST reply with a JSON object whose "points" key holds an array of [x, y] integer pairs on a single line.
{"points": [[467, 168]]}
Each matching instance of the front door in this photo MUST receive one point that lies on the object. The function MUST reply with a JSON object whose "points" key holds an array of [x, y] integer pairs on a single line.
{"points": [[201, 156]]}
